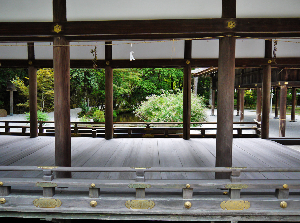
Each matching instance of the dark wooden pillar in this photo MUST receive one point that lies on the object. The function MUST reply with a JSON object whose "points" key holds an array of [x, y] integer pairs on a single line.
{"points": [[282, 118], [238, 102], [213, 101], [258, 104], [294, 102], [32, 91], [226, 74], [108, 92], [242, 110], [61, 65], [187, 90], [266, 88], [277, 96]]}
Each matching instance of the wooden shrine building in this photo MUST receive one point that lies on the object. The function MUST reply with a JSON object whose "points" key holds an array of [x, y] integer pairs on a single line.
{"points": [[236, 36]]}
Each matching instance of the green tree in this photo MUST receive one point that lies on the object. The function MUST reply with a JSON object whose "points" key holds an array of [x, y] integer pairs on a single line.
{"points": [[7, 75], [45, 90]]}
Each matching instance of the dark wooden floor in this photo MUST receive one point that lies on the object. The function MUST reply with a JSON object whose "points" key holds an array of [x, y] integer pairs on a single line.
{"points": [[145, 152]]}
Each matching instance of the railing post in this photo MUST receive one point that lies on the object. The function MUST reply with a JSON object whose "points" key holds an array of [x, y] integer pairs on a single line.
{"points": [[4, 190], [41, 130], [187, 192], [235, 193], [48, 189], [93, 191], [7, 129], [282, 193], [140, 177]]}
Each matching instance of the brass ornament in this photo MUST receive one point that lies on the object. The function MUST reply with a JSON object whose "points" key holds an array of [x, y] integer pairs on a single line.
{"points": [[139, 204], [57, 28], [283, 204], [236, 186], [30, 62], [231, 24], [188, 62], [46, 184], [187, 205], [93, 203], [1, 183], [285, 186], [93, 185], [107, 63], [47, 203], [139, 186], [2, 200], [225, 193], [47, 167], [235, 205], [237, 168], [187, 186]]}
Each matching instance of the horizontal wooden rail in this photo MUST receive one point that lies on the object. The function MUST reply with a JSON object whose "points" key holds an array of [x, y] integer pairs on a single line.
{"points": [[134, 129], [217, 197]]}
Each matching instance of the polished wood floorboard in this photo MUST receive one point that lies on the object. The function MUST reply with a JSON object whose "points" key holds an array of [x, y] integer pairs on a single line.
{"points": [[147, 152]]}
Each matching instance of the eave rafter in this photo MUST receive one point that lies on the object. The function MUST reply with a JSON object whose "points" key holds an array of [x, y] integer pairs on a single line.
{"points": [[153, 29]]}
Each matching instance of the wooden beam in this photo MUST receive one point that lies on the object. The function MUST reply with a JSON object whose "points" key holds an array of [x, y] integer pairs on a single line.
{"points": [[187, 90], [108, 92], [158, 29], [59, 10], [228, 8], [156, 63], [32, 91], [266, 88]]}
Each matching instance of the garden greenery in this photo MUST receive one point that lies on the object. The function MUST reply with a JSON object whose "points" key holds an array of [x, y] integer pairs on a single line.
{"points": [[167, 107]]}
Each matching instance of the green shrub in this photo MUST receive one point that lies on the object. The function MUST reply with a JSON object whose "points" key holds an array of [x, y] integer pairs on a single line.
{"points": [[98, 116], [168, 108], [41, 116]]}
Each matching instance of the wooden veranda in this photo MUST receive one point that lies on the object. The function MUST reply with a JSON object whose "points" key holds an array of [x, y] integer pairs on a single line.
{"points": [[149, 179], [203, 34]]}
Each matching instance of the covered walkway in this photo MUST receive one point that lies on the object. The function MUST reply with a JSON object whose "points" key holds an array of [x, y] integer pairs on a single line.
{"points": [[144, 152]]}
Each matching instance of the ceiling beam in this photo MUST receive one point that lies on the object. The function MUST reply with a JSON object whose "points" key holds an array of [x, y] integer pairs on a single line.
{"points": [[158, 63], [156, 29]]}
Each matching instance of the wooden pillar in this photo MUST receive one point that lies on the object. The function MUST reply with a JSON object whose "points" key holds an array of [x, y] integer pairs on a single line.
{"points": [[266, 88], [195, 85], [11, 103], [61, 65], [108, 92], [187, 90], [241, 98], [213, 101], [282, 118], [238, 102], [277, 96], [32, 91], [258, 104], [294, 102], [226, 74]]}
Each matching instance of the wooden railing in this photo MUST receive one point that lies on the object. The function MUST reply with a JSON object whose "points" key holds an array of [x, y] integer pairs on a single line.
{"points": [[156, 198], [134, 129]]}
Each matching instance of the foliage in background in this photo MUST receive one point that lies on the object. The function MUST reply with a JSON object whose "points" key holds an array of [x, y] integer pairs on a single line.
{"points": [[7, 75], [41, 116], [45, 90], [167, 107]]}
